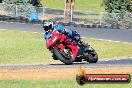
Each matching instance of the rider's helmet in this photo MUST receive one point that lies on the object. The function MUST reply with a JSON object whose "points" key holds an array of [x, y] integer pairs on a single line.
{"points": [[47, 25]]}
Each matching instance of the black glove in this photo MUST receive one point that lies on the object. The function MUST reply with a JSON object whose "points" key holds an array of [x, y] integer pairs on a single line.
{"points": [[74, 33], [64, 32]]}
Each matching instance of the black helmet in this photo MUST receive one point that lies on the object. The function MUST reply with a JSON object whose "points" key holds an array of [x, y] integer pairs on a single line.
{"points": [[47, 25]]}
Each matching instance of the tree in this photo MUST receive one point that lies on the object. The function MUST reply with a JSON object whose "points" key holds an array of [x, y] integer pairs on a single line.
{"points": [[0, 1], [33, 2], [36, 3], [118, 6], [69, 7], [119, 13], [15, 1]]}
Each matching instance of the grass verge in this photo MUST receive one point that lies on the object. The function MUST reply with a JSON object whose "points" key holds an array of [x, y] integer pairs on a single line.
{"points": [[67, 83], [24, 48], [81, 5]]}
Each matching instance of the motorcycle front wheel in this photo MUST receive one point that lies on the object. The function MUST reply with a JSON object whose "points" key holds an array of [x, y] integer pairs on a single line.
{"points": [[62, 56], [93, 58]]}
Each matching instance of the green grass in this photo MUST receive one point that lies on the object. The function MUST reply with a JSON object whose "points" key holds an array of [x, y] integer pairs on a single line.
{"points": [[67, 83], [107, 49], [24, 48], [19, 47], [81, 5]]}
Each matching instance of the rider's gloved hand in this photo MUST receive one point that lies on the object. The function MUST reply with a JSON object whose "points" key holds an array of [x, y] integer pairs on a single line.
{"points": [[80, 40], [74, 33], [64, 32], [77, 37]]}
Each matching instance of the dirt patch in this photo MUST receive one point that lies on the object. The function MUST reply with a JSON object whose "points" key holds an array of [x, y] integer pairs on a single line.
{"points": [[58, 73]]}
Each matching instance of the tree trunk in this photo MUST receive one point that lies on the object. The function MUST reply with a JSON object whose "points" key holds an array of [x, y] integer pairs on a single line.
{"points": [[69, 6]]}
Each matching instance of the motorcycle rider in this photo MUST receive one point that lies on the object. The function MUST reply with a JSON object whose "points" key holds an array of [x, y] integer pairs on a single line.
{"points": [[49, 26]]}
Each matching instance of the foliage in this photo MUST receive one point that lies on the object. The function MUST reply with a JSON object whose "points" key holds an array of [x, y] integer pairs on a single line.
{"points": [[117, 6], [15, 1], [0, 1], [119, 13], [36, 3], [118, 20], [33, 2]]}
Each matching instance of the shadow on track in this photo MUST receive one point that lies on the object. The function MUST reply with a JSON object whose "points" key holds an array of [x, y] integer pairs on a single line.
{"points": [[121, 62], [111, 62]]}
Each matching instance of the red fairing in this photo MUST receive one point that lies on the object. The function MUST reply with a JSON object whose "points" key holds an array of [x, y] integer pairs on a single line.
{"points": [[54, 38], [57, 37], [74, 51], [62, 47]]}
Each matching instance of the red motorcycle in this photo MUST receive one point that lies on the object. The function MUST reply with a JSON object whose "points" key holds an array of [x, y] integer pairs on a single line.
{"points": [[67, 51]]}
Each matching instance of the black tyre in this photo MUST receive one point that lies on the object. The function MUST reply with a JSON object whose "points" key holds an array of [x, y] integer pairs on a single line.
{"points": [[93, 58], [63, 58], [78, 60], [55, 57]]}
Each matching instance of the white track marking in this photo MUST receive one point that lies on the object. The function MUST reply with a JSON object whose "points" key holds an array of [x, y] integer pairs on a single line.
{"points": [[111, 40], [108, 40], [83, 37], [116, 58]]}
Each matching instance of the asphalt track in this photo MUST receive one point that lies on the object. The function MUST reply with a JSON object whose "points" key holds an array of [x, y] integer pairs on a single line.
{"points": [[123, 35], [101, 64]]}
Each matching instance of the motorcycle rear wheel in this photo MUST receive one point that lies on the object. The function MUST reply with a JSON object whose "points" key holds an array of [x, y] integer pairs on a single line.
{"points": [[62, 57]]}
